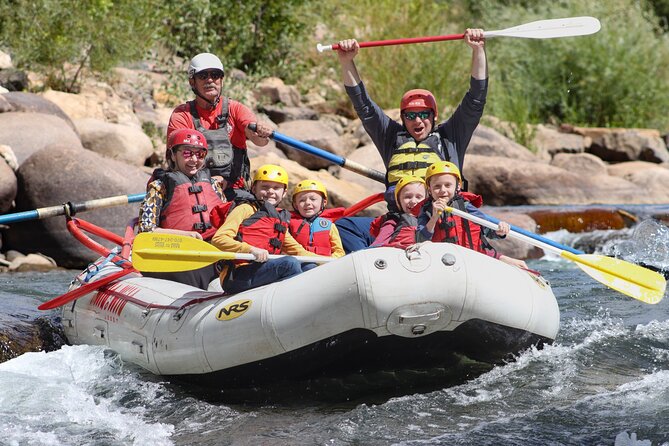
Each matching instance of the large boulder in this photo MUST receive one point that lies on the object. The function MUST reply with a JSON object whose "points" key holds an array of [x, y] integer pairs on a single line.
{"points": [[369, 157], [5, 106], [120, 142], [629, 145], [584, 163], [504, 181], [549, 141], [61, 174], [96, 100], [275, 91], [315, 133], [652, 178], [27, 133], [489, 142], [513, 247], [13, 79], [8, 186], [30, 102]]}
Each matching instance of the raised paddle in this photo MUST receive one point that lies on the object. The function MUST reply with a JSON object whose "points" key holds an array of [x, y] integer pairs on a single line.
{"points": [[335, 159], [541, 29], [70, 208], [630, 279], [159, 252]]}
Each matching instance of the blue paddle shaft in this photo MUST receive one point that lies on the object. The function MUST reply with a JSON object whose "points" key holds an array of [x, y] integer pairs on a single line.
{"points": [[534, 236], [72, 208]]}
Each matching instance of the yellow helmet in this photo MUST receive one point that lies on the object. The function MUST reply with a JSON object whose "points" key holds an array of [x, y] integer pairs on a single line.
{"points": [[310, 185], [271, 172], [403, 182], [443, 167]]}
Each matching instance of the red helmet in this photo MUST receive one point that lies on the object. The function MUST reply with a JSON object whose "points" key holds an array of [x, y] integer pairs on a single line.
{"points": [[188, 137], [419, 98]]}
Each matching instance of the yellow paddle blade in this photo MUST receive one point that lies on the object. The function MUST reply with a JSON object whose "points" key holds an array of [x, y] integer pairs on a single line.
{"points": [[156, 252], [630, 279]]}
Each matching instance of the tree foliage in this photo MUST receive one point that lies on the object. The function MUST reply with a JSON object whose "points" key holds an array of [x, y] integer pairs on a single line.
{"points": [[63, 37], [254, 35]]}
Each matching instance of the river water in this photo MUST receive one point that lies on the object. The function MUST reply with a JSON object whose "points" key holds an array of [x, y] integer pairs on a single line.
{"points": [[604, 381]]}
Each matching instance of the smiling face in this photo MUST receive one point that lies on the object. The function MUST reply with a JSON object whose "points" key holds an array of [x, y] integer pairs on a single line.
{"points": [[189, 165], [410, 196], [269, 191], [418, 122], [208, 83], [443, 185], [308, 203]]}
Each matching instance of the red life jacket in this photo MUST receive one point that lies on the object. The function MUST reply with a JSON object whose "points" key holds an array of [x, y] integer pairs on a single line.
{"points": [[404, 234], [313, 233], [188, 201], [266, 228], [453, 229]]}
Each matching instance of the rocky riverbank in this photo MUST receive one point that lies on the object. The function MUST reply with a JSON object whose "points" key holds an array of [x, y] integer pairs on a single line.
{"points": [[58, 147]]}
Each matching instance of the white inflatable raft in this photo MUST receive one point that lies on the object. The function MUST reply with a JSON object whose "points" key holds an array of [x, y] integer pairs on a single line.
{"points": [[376, 309]]}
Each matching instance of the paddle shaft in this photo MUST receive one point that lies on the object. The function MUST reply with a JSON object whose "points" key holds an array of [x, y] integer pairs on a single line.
{"points": [[209, 256], [546, 247], [70, 208], [335, 159]]}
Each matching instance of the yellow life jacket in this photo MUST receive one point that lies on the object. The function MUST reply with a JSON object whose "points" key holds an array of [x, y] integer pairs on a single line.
{"points": [[412, 158]]}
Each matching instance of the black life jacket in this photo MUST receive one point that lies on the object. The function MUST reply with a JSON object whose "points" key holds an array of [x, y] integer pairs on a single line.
{"points": [[223, 158]]}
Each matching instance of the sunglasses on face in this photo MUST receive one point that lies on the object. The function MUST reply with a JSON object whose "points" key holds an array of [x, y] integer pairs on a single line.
{"points": [[204, 75], [200, 154], [411, 115]]}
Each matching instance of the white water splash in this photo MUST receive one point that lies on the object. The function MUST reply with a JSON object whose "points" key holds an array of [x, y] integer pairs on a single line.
{"points": [[73, 395]]}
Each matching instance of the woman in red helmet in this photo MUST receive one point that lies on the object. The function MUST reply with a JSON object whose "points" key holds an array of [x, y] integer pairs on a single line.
{"points": [[178, 200]]}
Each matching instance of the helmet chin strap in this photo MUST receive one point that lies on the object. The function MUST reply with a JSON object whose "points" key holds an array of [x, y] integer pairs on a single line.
{"points": [[213, 103]]}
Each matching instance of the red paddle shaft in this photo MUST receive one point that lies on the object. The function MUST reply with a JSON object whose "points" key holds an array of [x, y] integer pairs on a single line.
{"points": [[406, 41]]}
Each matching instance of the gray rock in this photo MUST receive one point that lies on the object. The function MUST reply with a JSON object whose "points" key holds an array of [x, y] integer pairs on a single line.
{"points": [[121, 142], [583, 163], [315, 133], [629, 145], [8, 186], [29, 102], [280, 114], [27, 133], [13, 79], [60, 174]]}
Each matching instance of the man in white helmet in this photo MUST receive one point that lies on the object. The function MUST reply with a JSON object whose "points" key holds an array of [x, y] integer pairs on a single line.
{"points": [[224, 123]]}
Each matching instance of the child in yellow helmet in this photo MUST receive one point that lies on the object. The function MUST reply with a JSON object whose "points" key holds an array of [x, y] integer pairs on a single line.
{"points": [[399, 229], [309, 225], [260, 228], [443, 181]]}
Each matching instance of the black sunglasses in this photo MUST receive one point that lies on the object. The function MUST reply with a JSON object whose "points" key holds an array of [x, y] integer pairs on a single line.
{"points": [[214, 74], [411, 115]]}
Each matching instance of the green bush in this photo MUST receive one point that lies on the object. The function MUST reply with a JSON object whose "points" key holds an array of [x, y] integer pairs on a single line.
{"points": [[257, 36], [389, 71], [615, 78], [61, 38]]}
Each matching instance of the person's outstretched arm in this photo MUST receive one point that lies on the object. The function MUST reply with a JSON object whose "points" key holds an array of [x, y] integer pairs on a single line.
{"points": [[474, 38], [347, 51]]}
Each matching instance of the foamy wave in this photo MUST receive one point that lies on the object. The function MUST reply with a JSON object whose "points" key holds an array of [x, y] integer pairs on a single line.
{"points": [[83, 393]]}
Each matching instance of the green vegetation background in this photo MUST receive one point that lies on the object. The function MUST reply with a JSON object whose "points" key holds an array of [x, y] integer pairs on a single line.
{"points": [[615, 78]]}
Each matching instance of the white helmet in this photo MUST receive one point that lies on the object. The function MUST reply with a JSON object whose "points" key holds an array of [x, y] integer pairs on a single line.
{"points": [[204, 61]]}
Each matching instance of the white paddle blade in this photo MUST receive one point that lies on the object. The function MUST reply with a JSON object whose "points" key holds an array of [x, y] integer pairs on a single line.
{"points": [[550, 29]]}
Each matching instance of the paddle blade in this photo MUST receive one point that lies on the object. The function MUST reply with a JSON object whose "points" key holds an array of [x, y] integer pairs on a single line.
{"points": [[156, 252], [630, 279], [551, 29]]}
